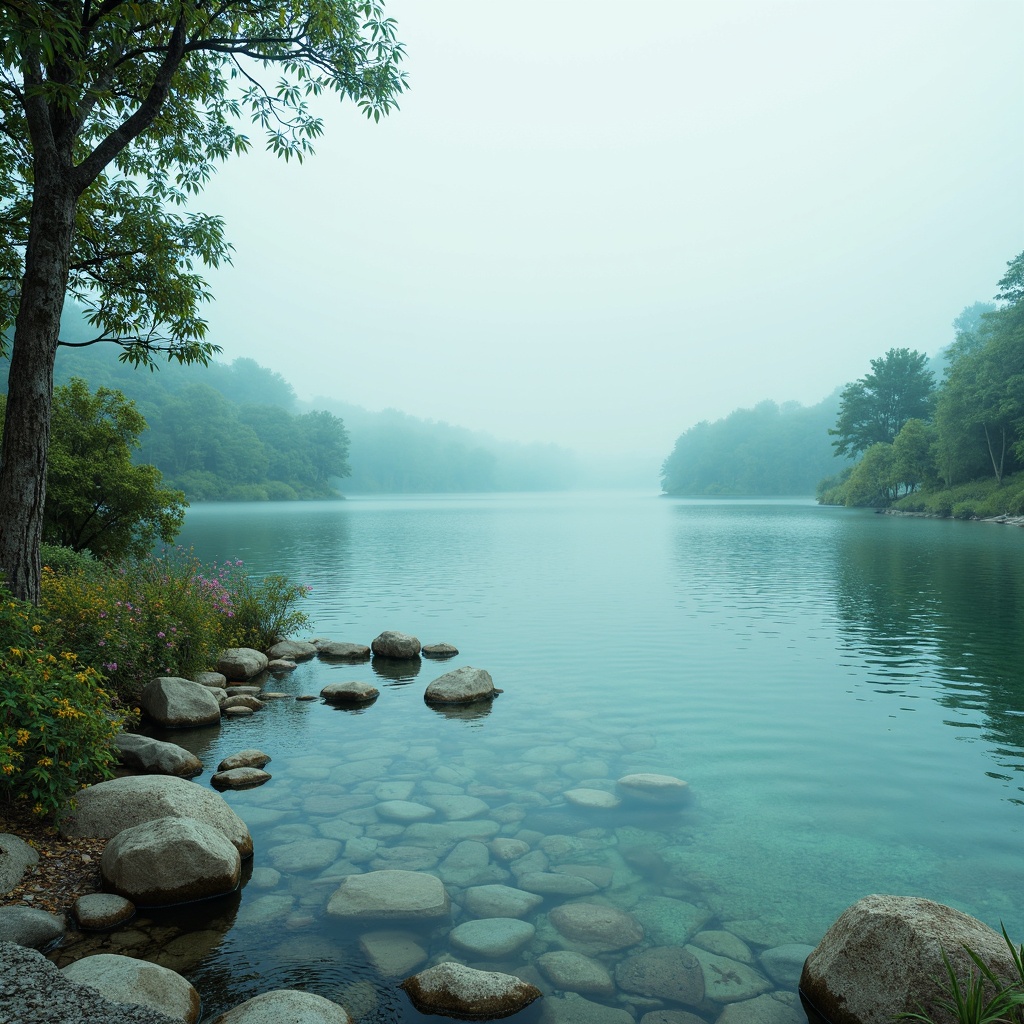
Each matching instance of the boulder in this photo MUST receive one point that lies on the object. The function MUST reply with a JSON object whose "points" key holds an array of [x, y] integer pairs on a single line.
{"points": [[239, 778], [99, 911], [170, 860], [499, 901], [390, 895], [395, 645], [883, 957], [393, 953], [649, 788], [16, 857], [286, 1005], [461, 686], [491, 938], [30, 926], [664, 972], [241, 700], [216, 680], [592, 799], [124, 979], [105, 809], [237, 664], [574, 972], [596, 925], [179, 703], [342, 651], [454, 990], [349, 693], [281, 666], [145, 754], [439, 651], [248, 758], [36, 992], [292, 650]]}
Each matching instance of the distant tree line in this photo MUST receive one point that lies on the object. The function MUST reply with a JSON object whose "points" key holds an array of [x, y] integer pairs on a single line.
{"points": [[918, 437], [768, 450]]}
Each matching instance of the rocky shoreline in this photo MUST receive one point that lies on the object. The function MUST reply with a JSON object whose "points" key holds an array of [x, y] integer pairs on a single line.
{"points": [[1003, 520]]}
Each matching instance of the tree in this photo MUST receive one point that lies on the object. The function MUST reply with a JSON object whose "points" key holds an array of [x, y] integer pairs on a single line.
{"points": [[96, 498], [874, 408], [111, 114]]}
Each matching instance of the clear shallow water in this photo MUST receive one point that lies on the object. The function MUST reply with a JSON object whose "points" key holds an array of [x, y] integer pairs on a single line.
{"points": [[843, 692]]}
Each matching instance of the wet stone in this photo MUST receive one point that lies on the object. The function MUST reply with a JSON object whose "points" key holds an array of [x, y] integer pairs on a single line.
{"points": [[439, 651], [239, 778], [264, 909], [98, 911], [390, 895], [499, 901], [654, 789], [783, 964], [399, 789], [674, 1017], [458, 808], [249, 758], [492, 938], [353, 692], [264, 878], [726, 944], [664, 972], [468, 864], [592, 799], [574, 972], [766, 1009], [404, 811], [728, 981], [458, 991], [573, 1008], [406, 858], [550, 883], [304, 855], [602, 927], [507, 850], [670, 922], [392, 953]]}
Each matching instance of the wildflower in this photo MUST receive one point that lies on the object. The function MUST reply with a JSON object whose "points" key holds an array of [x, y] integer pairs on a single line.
{"points": [[37, 628], [8, 769], [161, 635], [45, 762], [23, 737]]}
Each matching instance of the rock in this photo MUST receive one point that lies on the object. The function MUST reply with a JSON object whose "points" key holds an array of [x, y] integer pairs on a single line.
{"points": [[145, 754], [601, 927], [574, 972], [342, 651], [507, 850], [766, 1009], [279, 666], [124, 979], [217, 680], [105, 809], [573, 1008], [36, 992], [249, 758], [237, 711], [461, 686], [674, 1017], [238, 664], [305, 855], [784, 964], [404, 811], [29, 926], [592, 799], [242, 691], [393, 953], [726, 944], [169, 861], [670, 922], [459, 991], [458, 808], [439, 651], [241, 700], [179, 703], [883, 957], [553, 883], [395, 645], [491, 938], [100, 911], [16, 857], [728, 981], [664, 972], [390, 895], [654, 789], [292, 650], [499, 901], [239, 778], [349, 693], [286, 1006], [469, 863]]}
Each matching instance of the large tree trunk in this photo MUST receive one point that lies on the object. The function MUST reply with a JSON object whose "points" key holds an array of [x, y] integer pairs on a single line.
{"points": [[30, 390]]}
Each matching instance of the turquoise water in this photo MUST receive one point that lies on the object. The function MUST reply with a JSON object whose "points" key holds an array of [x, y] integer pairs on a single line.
{"points": [[843, 692]]}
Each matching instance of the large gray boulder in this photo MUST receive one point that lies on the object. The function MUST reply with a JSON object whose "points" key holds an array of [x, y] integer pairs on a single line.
{"points": [[284, 1006], [237, 664], [348, 693], [107, 808], [16, 857], [883, 957], [390, 895], [455, 990], [156, 757], [30, 926], [461, 686], [292, 650], [124, 979], [179, 703], [170, 860], [395, 645], [341, 650], [36, 992]]}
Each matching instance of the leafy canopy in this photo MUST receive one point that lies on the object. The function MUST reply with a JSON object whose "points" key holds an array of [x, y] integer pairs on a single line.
{"points": [[131, 105]]}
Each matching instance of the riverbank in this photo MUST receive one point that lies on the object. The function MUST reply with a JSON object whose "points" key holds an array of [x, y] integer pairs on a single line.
{"points": [[1003, 520]]}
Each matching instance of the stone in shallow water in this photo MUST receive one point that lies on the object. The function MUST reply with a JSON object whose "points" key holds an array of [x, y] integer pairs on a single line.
{"points": [[264, 909], [286, 1005], [459, 991], [664, 972], [304, 855], [341, 650], [573, 1008], [98, 911], [602, 927], [404, 811], [783, 964], [470, 864], [654, 789], [391, 644], [492, 938], [676, 1017], [390, 895], [508, 849], [499, 901], [439, 651], [445, 835], [726, 944], [575, 972], [592, 799], [461, 686], [239, 778], [766, 1009], [353, 692], [250, 758], [728, 981], [551, 883], [393, 953], [670, 922], [406, 858], [458, 808], [397, 789]]}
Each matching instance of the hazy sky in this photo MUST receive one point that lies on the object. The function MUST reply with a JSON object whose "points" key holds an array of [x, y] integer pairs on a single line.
{"points": [[599, 223]]}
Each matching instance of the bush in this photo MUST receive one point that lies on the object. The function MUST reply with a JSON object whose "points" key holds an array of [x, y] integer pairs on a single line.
{"points": [[62, 560], [56, 720], [166, 615], [963, 510]]}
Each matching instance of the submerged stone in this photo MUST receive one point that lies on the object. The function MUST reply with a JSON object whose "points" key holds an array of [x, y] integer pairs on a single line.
{"points": [[465, 993]]}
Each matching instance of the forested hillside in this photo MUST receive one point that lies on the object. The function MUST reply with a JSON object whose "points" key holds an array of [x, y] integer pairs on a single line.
{"points": [[768, 450]]}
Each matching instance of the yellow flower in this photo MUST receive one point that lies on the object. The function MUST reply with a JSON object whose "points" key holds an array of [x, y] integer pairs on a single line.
{"points": [[8, 769], [23, 737], [45, 762], [37, 628]]}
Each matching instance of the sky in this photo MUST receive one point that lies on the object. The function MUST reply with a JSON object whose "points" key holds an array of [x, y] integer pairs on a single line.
{"points": [[598, 224]]}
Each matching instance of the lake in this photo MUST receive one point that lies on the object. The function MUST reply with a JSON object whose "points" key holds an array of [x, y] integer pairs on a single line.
{"points": [[842, 691]]}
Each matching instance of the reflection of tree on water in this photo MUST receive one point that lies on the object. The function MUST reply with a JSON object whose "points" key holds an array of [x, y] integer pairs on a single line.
{"points": [[942, 602]]}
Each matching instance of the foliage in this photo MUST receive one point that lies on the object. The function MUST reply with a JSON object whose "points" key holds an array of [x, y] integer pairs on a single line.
{"points": [[769, 449], [982, 997], [56, 720], [165, 615], [875, 408], [982, 498], [112, 118]]}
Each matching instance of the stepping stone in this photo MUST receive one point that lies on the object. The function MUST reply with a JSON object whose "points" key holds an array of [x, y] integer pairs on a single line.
{"points": [[239, 778], [99, 911], [250, 758], [350, 693]]}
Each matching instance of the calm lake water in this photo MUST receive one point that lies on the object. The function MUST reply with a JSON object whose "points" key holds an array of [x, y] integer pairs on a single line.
{"points": [[843, 692]]}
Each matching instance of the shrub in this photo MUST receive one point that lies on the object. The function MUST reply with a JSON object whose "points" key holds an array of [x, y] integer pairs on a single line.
{"points": [[56, 720], [62, 560], [963, 510], [262, 611]]}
